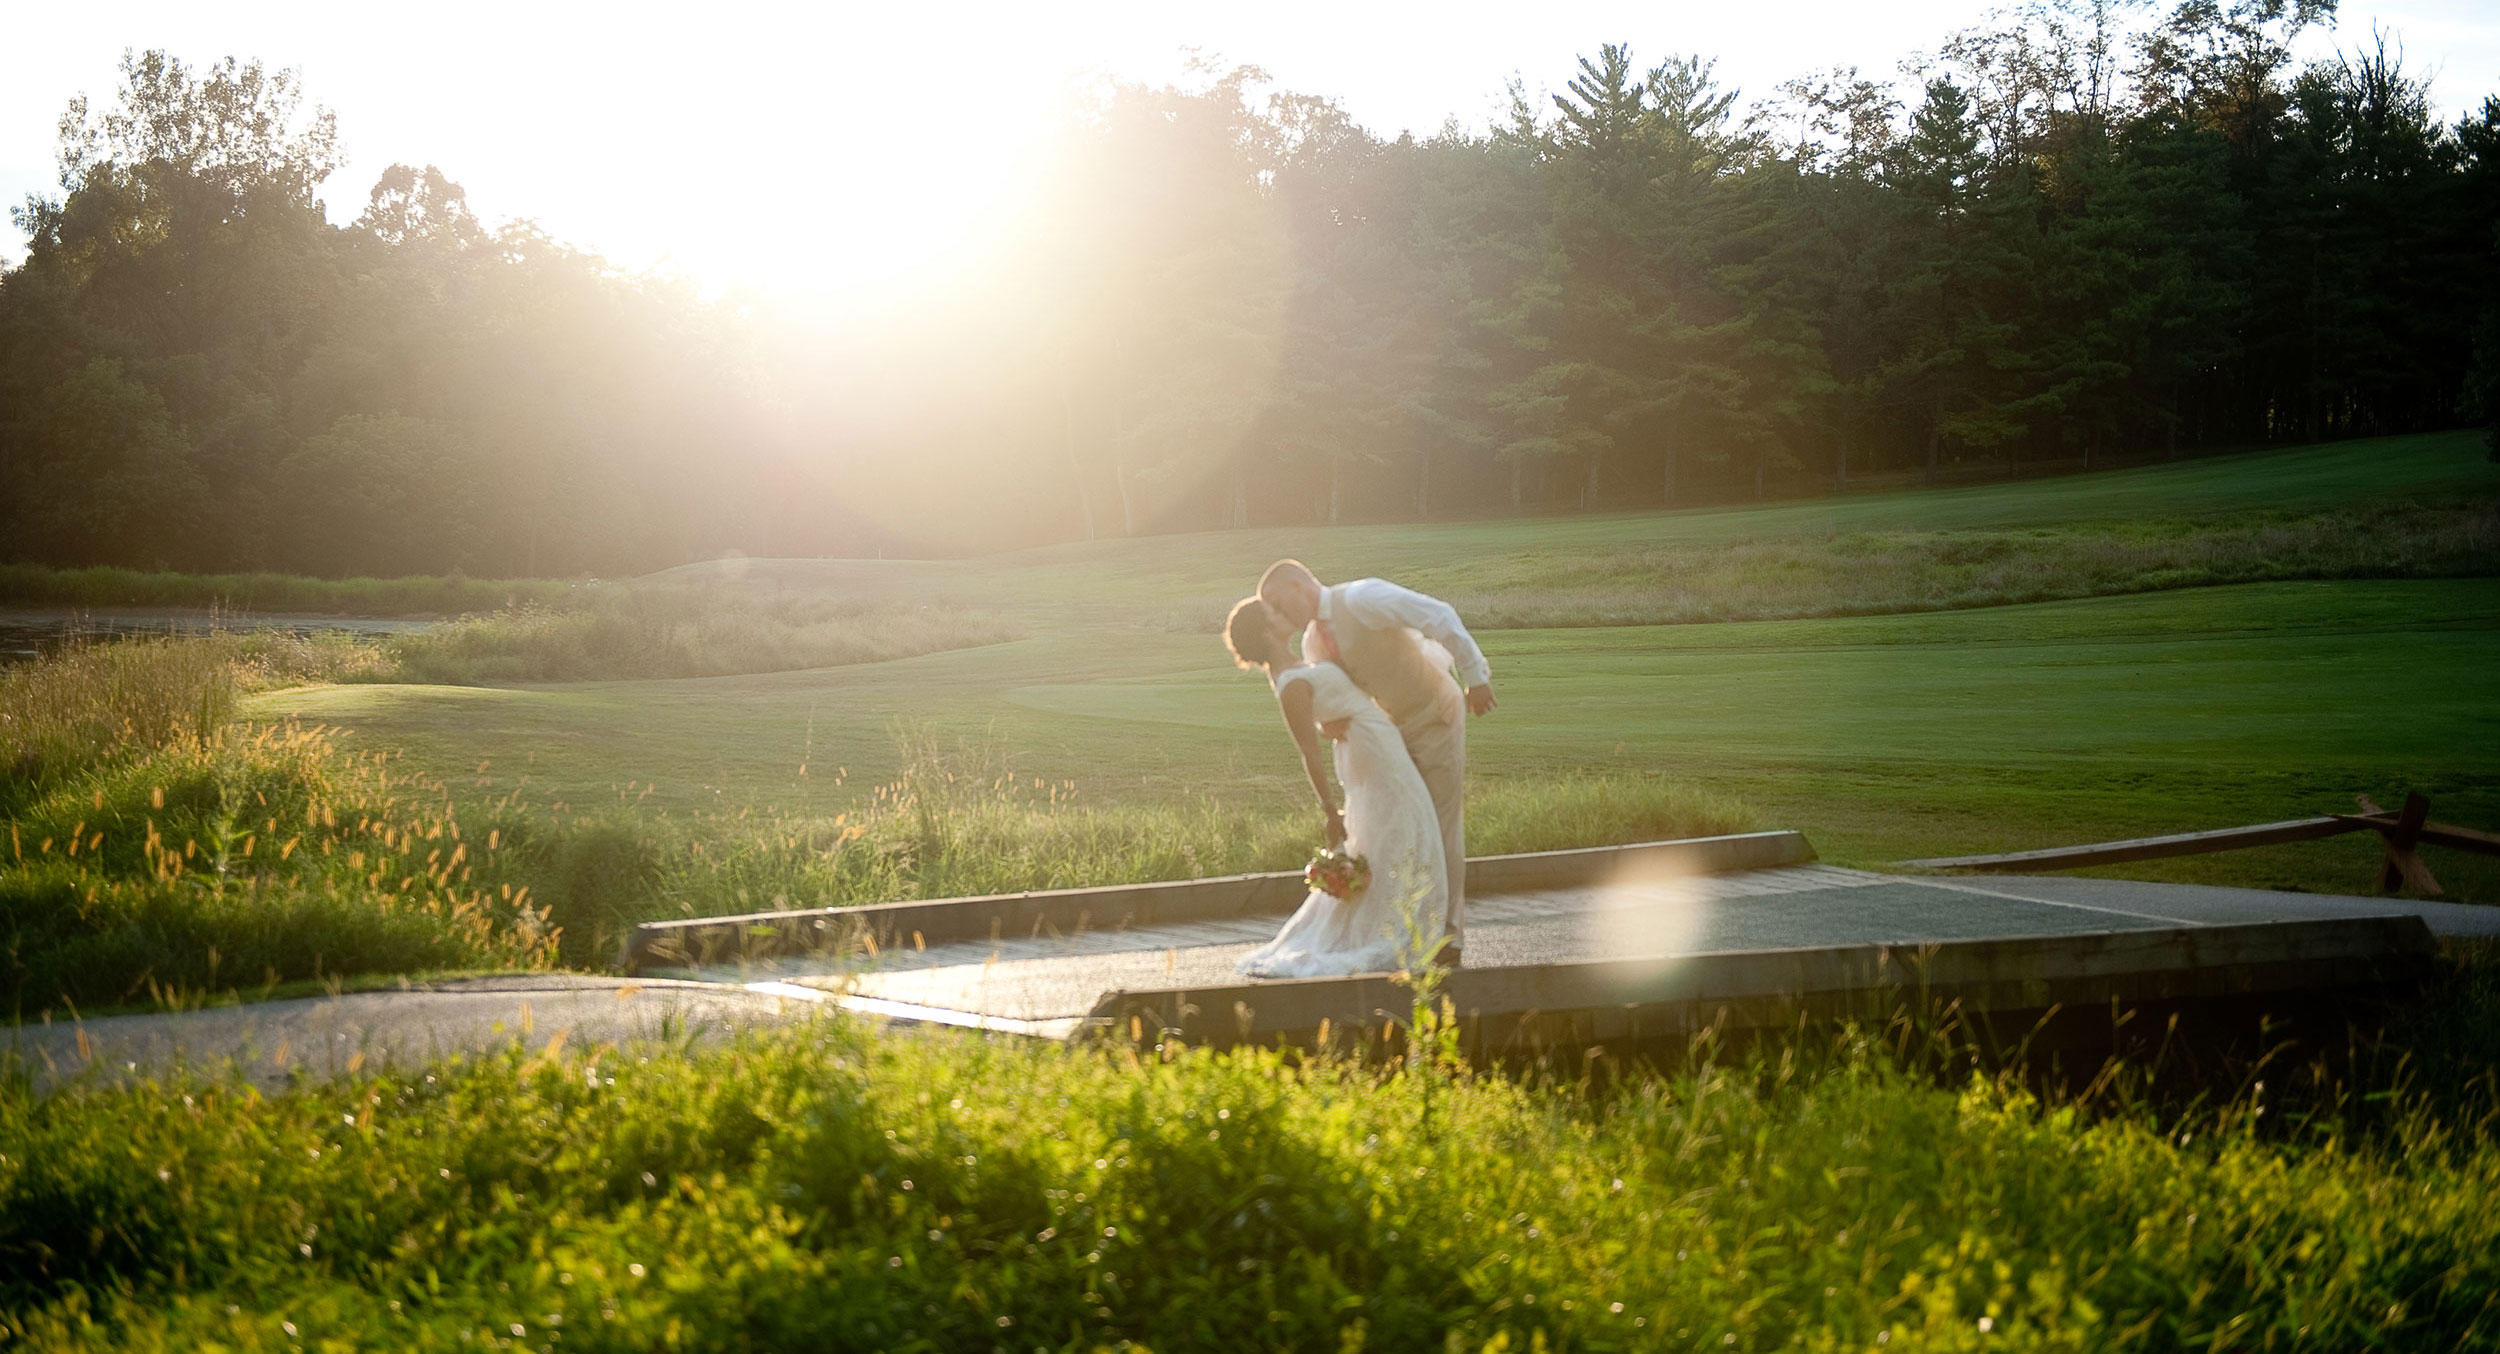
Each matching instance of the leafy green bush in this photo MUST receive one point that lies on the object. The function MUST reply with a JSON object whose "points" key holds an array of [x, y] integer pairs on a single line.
{"points": [[827, 1186]]}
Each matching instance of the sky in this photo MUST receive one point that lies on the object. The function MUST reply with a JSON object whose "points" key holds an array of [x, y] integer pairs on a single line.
{"points": [[849, 151]]}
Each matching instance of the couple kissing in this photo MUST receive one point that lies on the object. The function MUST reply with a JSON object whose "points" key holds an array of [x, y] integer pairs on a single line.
{"points": [[1374, 676]]}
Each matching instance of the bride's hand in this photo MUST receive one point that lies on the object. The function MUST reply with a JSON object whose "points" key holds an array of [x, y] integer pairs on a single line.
{"points": [[1335, 730], [1334, 828]]}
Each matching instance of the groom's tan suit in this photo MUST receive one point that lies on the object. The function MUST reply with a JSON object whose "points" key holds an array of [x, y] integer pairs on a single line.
{"points": [[1375, 630]]}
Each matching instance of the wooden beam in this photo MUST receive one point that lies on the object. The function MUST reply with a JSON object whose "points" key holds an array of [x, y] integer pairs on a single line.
{"points": [[2461, 838], [2436, 834], [2153, 848], [2402, 866], [2400, 832]]}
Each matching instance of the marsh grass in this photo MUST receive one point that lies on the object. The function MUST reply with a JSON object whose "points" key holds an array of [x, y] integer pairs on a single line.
{"points": [[588, 633], [93, 706], [255, 855], [674, 631], [831, 1185], [157, 847], [35, 585], [100, 704]]}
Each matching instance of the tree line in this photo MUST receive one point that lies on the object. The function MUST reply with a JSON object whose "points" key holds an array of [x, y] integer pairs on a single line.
{"points": [[2075, 233]]}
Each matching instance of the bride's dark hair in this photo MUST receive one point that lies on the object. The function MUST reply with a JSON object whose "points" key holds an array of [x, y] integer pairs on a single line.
{"points": [[1247, 633]]}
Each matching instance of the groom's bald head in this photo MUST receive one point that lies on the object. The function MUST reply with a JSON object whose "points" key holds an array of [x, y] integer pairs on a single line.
{"points": [[1293, 590]]}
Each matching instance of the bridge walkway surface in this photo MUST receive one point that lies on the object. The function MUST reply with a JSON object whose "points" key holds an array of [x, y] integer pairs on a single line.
{"points": [[1574, 945], [1050, 984]]}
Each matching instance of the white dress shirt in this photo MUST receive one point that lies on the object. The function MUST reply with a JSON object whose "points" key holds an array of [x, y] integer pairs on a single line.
{"points": [[1381, 604]]}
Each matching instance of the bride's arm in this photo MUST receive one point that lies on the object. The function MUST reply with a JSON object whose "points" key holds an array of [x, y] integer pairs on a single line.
{"points": [[1294, 698]]}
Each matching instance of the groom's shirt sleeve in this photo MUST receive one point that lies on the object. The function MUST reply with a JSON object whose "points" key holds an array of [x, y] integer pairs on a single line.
{"points": [[1379, 603]]}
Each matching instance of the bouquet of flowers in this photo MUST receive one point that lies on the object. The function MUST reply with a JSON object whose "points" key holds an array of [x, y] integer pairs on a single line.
{"points": [[1337, 873]]}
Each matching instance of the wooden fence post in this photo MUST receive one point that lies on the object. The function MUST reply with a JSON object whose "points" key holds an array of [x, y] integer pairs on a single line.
{"points": [[2402, 865]]}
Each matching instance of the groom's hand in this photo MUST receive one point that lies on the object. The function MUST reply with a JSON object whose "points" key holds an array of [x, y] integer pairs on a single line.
{"points": [[1480, 699]]}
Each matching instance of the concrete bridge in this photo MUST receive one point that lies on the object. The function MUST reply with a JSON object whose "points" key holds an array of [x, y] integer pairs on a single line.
{"points": [[1614, 946], [1636, 943]]}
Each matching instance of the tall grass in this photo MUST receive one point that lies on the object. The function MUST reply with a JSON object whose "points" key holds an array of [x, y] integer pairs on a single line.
{"points": [[546, 632], [651, 631], [36, 585], [1552, 811], [253, 856], [94, 706], [958, 819], [831, 1187], [99, 704]]}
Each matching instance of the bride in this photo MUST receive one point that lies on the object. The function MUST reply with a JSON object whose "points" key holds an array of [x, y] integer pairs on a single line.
{"points": [[1388, 817]]}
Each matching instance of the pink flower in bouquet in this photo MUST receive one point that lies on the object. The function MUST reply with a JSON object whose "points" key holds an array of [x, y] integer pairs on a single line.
{"points": [[1337, 873]]}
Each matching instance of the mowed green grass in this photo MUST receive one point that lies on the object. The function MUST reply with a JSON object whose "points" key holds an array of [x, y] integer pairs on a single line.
{"points": [[1884, 738], [1184, 580]]}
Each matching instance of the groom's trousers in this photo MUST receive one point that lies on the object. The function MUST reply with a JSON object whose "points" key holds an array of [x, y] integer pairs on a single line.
{"points": [[1438, 743]]}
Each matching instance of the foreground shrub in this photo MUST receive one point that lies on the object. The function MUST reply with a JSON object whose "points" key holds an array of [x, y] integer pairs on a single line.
{"points": [[825, 1187]]}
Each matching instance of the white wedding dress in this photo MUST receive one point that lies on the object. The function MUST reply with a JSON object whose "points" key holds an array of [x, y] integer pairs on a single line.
{"points": [[1398, 920]]}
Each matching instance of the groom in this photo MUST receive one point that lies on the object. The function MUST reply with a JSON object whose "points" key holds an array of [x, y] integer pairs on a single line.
{"points": [[1374, 630]]}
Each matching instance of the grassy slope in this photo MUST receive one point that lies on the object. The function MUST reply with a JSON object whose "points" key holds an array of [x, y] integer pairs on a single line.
{"points": [[1886, 737], [1151, 578]]}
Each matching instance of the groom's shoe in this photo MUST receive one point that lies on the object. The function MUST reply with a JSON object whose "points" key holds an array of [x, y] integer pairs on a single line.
{"points": [[1448, 956]]}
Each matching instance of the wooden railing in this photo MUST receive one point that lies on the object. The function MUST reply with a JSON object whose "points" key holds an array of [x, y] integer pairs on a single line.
{"points": [[2400, 833]]}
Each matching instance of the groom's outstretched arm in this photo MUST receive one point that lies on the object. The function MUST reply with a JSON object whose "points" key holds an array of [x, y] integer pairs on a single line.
{"points": [[1379, 602]]}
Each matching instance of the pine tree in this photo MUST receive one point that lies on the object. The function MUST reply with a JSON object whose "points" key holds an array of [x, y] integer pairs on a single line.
{"points": [[1953, 375]]}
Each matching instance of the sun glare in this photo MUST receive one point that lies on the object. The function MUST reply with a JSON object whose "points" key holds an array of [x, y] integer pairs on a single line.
{"points": [[858, 155]]}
